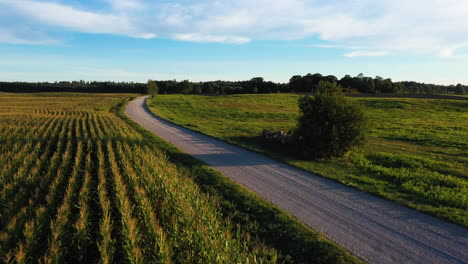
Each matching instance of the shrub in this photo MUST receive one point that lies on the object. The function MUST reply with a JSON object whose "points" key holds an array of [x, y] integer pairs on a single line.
{"points": [[329, 125]]}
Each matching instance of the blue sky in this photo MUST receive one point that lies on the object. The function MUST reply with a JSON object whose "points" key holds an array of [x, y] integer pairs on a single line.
{"points": [[137, 40]]}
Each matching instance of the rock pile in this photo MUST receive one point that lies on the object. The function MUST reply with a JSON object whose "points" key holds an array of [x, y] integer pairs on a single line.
{"points": [[279, 136]]}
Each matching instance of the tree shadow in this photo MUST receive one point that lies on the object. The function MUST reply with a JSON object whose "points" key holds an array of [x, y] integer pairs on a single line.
{"points": [[289, 150], [233, 159]]}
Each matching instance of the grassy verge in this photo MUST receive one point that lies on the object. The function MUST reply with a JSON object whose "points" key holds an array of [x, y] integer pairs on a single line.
{"points": [[416, 154], [294, 241]]}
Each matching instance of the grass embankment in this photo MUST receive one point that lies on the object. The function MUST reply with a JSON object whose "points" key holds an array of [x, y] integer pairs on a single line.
{"points": [[81, 185], [417, 152]]}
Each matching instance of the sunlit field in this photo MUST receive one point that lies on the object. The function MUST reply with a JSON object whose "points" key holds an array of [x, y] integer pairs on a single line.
{"points": [[78, 184], [81, 183], [417, 150]]}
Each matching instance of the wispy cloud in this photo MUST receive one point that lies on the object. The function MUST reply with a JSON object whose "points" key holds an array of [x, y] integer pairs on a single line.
{"points": [[416, 27], [211, 38], [366, 54], [25, 37], [70, 18]]}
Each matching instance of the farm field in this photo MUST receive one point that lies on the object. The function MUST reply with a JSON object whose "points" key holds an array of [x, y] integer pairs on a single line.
{"points": [[81, 184], [417, 153]]}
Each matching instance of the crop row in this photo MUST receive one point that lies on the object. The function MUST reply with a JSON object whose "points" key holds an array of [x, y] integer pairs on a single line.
{"points": [[79, 185]]}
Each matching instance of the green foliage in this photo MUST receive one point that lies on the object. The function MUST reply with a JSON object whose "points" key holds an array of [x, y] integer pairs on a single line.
{"points": [[297, 83], [329, 125], [460, 89], [74, 87], [255, 90], [186, 87], [152, 87], [197, 89]]}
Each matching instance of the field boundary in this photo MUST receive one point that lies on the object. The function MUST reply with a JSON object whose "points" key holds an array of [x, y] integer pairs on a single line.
{"points": [[395, 95], [413, 96], [276, 227]]}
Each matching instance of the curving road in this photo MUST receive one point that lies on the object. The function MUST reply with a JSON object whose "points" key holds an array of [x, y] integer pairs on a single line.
{"points": [[374, 229]]}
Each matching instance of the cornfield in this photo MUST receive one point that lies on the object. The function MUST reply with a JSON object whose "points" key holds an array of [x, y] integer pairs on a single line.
{"points": [[79, 185]]}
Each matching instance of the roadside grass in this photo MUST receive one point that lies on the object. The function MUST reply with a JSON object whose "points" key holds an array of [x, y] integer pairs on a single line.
{"points": [[416, 155]]}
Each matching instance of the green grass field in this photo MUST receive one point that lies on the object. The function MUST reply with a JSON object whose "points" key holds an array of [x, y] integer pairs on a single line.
{"points": [[417, 150], [80, 183]]}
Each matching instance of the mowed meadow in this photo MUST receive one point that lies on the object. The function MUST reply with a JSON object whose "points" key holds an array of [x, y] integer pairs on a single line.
{"points": [[78, 184], [416, 154]]}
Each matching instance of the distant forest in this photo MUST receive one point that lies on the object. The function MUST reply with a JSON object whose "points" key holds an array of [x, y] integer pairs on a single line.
{"points": [[297, 84]]}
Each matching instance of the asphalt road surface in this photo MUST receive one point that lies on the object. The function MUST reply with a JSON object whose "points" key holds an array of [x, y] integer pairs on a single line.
{"points": [[372, 228]]}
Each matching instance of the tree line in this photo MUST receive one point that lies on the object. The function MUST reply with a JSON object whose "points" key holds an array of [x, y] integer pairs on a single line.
{"points": [[74, 86], [363, 84], [297, 84]]}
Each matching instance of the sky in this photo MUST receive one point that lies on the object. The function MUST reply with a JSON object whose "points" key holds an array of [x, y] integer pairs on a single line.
{"points": [[137, 40]]}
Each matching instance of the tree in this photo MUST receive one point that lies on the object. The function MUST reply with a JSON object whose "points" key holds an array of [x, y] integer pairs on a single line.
{"points": [[254, 90], [399, 88], [312, 80], [347, 82], [459, 89], [386, 86], [297, 84], [186, 87], [331, 78], [152, 87], [368, 85], [197, 89], [329, 125], [257, 80]]}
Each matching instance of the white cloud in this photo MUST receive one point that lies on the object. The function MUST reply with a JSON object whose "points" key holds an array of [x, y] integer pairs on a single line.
{"points": [[416, 27], [211, 38], [366, 54], [30, 38], [58, 15]]}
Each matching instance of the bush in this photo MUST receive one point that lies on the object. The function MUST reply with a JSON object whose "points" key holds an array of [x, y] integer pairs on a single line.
{"points": [[329, 125]]}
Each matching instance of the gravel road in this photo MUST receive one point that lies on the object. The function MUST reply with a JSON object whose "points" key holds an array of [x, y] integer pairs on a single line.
{"points": [[374, 229]]}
